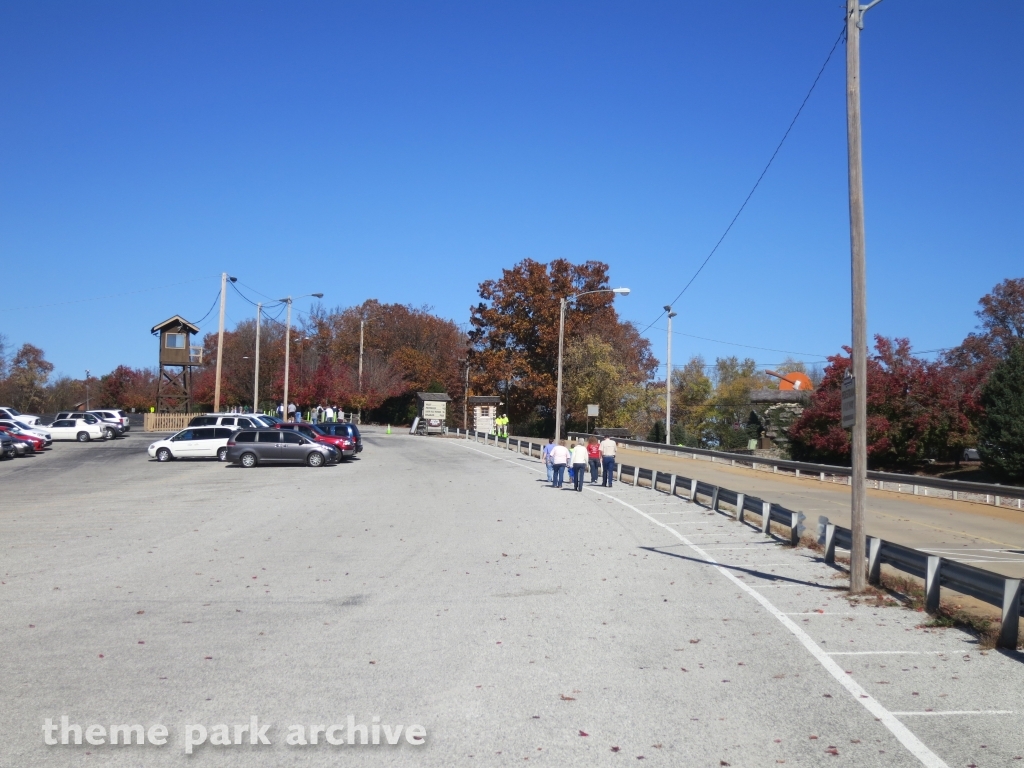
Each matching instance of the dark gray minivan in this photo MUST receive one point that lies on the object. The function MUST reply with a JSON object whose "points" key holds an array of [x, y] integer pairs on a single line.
{"points": [[249, 447]]}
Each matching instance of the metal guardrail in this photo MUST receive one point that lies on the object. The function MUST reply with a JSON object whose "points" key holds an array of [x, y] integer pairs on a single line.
{"points": [[1003, 592], [957, 488]]}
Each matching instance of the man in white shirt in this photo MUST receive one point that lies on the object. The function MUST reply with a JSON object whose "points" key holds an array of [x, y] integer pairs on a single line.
{"points": [[559, 458], [607, 461], [579, 465]]}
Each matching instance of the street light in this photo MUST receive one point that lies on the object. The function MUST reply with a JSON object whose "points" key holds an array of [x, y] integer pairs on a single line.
{"points": [[87, 389], [561, 344], [288, 343], [224, 277], [668, 379]]}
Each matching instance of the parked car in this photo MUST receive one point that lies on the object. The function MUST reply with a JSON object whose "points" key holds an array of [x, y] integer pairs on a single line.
{"points": [[7, 412], [35, 443], [113, 414], [193, 443], [971, 454], [36, 431], [345, 428], [233, 420], [111, 427], [7, 449], [249, 447], [342, 443], [82, 430]]}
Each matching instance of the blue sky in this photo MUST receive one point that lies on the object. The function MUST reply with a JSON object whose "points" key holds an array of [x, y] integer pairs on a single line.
{"points": [[408, 151]]}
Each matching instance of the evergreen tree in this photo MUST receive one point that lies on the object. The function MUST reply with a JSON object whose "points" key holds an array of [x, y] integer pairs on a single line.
{"points": [[1001, 431]]}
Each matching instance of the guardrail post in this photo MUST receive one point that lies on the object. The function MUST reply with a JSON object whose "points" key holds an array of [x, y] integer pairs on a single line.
{"points": [[794, 528], [874, 560], [822, 527], [636, 476], [619, 467], [766, 517], [822, 477], [932, 582], [775, 469], [654, 480], [916, 490], [830, 543], [741, 499], [714, 499], [672, 485], [1011, 613]]}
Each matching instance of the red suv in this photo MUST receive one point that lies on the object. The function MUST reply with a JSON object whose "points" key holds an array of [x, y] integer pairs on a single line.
{"points": [[343, 443]]}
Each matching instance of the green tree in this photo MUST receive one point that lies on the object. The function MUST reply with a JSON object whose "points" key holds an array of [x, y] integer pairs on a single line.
{"points": [[1001, 431]]}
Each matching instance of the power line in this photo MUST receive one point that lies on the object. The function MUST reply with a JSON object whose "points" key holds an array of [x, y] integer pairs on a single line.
{"points": [[759, 178], [215, 300], [746, 346]]}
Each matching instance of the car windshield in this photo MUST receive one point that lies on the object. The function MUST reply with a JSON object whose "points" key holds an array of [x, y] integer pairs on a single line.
{"points": [[318, 429], [14, 411]]}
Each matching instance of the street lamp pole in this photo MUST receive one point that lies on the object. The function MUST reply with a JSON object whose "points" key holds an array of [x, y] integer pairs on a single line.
{"points": [[668, 380], [224, 277], [87, 389], [561, 346], [256, 376], [288, 343], [359, 416]]}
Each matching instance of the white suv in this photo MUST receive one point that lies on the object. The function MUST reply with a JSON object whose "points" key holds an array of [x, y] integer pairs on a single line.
{"points": [[194, 443], [232, 420], [112, 414], [7, 412]]}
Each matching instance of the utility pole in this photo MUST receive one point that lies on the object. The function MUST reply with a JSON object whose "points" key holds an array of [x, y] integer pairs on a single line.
{"points": [[668, 380], [287, 358], [858, 439], [359, 416], [87, 389], [256, 376], [220, 337]]}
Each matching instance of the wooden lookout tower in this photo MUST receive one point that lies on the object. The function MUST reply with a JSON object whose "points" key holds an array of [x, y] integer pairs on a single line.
{"points": [[177, 358]]}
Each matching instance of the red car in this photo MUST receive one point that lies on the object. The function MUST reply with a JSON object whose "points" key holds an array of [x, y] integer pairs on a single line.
{"points": [[342, 443], [37, 443]]}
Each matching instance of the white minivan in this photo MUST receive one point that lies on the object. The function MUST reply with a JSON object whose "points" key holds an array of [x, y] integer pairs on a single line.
{"points": [[193, 443]]}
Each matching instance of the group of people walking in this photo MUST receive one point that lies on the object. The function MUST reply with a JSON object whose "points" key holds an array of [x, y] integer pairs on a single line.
{"points": [[599, 457]]}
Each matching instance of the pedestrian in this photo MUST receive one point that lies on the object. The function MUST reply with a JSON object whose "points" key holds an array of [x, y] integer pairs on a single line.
{"points": [[559, 458], [329, 414], [545, 454], [593, 458], [607, 461], [291, 411], [280, 411], [579, 465]]}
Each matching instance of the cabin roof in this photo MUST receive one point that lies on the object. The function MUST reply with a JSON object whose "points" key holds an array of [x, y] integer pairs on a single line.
{"points": [[177, 320]]}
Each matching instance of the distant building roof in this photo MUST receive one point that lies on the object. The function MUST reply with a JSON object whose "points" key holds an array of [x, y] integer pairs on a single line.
{"points": [[484, 400], [435, 396], [177, 320]]}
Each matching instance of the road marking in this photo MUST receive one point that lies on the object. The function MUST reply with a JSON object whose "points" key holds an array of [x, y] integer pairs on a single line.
{"points": [[824, 613], [959, 712], [903, 734], [888, 653]]}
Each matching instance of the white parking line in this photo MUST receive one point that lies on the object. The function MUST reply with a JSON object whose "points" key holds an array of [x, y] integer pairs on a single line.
{"points": [[888, 653], [959, 712]]}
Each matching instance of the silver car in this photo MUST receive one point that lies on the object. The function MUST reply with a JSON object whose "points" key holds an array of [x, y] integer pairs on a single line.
{"points": [[249, 447]]}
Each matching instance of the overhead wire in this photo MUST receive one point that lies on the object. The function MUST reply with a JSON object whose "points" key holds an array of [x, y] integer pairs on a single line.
{"points": [[759, 178]]}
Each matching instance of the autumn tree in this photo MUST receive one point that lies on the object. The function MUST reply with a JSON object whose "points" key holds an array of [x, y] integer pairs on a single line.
{"points": [[514, 337], [127, 387], [25, 385]]}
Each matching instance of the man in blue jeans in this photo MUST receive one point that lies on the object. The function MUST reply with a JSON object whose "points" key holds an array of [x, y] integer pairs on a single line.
{"points": [[607, 462], [559, 459]]}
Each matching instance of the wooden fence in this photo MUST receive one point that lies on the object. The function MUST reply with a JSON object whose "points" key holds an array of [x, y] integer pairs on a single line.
{"points": [[165, 422]]}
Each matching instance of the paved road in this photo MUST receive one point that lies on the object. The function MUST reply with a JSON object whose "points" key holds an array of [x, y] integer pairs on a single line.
{"points": [[983, 535], [440, 583]]}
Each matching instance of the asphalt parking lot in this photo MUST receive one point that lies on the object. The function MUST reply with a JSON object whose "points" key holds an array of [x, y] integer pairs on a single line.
{"points": [[440, 583]]}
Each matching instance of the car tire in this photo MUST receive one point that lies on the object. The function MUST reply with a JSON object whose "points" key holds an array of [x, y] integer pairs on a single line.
{"points": [[247, 459], [83, 437], [315, 459], [222, 454], [108, 434], [164, 454]]}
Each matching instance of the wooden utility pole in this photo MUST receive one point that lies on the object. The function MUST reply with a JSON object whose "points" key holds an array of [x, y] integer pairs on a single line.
{"points": [[858, 438], [359, 417], [256, 376]]}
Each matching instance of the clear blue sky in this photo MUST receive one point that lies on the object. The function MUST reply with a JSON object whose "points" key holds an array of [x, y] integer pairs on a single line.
{"points": [[408, 151]]}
